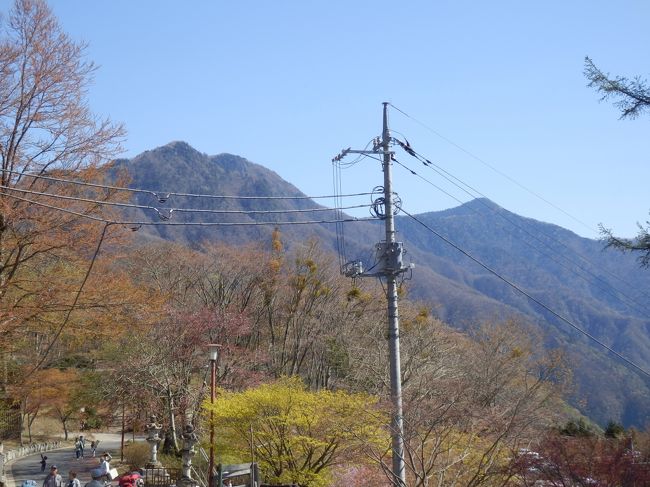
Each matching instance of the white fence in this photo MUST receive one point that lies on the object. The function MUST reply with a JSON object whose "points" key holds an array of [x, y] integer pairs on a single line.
{"points": [[23, 451]]}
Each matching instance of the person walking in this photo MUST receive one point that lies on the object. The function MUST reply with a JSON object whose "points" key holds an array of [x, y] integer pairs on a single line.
{"points": [[53, 478], [77, 449], [105, 465], [104, 461], [82, 445], [93, 447], [43, 462]]}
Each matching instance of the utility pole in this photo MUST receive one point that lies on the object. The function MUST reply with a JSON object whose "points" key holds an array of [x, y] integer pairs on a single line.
{"points": [[389, 254]]}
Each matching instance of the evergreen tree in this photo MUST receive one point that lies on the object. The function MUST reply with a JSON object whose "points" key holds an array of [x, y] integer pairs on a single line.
{"points": [[632, 98], [614, 430]]}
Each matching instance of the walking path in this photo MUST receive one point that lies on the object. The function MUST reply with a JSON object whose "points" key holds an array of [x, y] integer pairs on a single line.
{"points": [[29, 467]]}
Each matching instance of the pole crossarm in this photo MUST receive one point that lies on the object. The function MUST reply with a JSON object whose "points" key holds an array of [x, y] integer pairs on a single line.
{"points": [[347, 151]]}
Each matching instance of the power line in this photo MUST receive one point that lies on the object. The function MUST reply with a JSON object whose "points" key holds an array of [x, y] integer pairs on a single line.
{"points": [[72, 307], [447, 175], [164, 195], [427, 181], [493, 168], [340, 234], [458, 182], [337, 165], [197, 224], [181, 210], [529, 296], [604, 285]]}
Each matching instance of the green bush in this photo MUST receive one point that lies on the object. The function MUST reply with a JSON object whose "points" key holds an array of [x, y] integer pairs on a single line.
{"points": [[170, 461], [93, 420]]}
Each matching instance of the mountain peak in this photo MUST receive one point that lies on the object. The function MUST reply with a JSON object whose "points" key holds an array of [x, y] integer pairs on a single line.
{"points": [[478, 204], [178, 146]]}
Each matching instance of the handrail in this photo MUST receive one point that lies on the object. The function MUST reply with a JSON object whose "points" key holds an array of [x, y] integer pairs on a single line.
{"points": [[199, 476], [205, 457]]}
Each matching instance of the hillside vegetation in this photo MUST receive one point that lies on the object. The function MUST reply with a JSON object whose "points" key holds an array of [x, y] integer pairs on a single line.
{"points": [[599, 290]]}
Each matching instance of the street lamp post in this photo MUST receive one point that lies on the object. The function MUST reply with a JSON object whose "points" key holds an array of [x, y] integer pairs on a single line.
{"points": [[214, 355]]}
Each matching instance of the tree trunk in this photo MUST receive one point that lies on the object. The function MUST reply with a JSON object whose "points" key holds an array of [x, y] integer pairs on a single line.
{"points": [[30, 421], [22, 428], [171, 443], [64, 422]]}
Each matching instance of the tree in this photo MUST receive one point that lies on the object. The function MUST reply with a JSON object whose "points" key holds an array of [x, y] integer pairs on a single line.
{"points": [[468, 404], [578, 428], [296, 435], [167, 361], [28, 394], [52, 391], [614, 430], [632, 97], [639, 244], [581, 461], [47, 129]]}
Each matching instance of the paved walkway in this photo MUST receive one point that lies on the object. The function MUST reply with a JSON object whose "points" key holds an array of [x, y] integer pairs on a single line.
{"points": [[29, 467]]}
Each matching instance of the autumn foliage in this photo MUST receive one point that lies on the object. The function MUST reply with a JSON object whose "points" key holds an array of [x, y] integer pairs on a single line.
{"points": [[297, 435], [583, 461], [95, 319]]}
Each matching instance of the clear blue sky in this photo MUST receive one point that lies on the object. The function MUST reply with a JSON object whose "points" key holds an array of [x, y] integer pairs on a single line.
{"points": [[287, 84]]}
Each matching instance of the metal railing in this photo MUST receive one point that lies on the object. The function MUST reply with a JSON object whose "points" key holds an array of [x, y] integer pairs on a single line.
{"points": [[199, 476], [161, 477]]}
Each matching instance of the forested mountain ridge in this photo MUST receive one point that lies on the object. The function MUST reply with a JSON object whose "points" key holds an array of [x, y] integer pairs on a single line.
{"points": [[599, 290], [180, 168], [572, 275]]}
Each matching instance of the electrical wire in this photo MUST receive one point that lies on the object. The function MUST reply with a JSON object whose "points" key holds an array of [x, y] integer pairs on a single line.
{"points": [[356, 160], [340, 235], [475, 193], [493, 168], [604, 286], [447, 175], [337, 166], [72, 307], [200, 224], [181, 210], [167, 194], [529, 296], [427, 181]]}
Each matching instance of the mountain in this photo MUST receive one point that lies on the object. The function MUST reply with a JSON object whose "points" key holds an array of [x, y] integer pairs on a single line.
{"points": [[600, 291], [573, 276], [179, 167]]}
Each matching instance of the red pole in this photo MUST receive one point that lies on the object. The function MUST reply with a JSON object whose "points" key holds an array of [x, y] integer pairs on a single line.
{"points": [[123, 428], [213, 379]]}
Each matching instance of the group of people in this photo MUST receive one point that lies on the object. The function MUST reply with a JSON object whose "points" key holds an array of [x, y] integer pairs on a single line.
{"points": [[102, 472], [80, 445], [54, 479]]}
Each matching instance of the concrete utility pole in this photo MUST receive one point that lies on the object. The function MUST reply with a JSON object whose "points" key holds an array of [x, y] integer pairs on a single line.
{"points": [[389, 266], [393, 252]]}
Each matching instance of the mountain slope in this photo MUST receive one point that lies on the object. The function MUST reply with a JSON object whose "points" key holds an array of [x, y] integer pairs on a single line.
{"points": [[183, 169], [539, 257], [572, 275]]}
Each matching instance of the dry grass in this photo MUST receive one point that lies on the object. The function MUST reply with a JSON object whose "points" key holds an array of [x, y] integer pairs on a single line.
{"points": [[136, 455], [44, 429]]}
